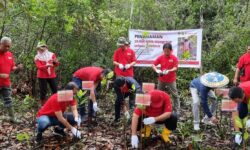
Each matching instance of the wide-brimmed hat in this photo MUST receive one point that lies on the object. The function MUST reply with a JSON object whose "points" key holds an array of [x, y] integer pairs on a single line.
{"points": [[41, 44], [121, 41], [214, 80]]}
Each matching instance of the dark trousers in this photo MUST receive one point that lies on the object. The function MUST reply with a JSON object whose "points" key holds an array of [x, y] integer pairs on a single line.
{"points": [[170, 123], [243, 110], [43, 86], [120, 102]]}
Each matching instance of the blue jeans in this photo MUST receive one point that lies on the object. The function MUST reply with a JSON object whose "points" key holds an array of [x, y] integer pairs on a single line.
{"points": [[46, 121], [6, 95], [81, 108]]}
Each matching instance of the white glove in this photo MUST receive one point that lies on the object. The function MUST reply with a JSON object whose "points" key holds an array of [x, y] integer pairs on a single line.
{"points": [[149, 120], [248, 123], [121, 66], [76, 132], [127, 66], [158, 71], [127, 115], [95, 107], [78, 120], [238, 139], [165, 72], [134, 141]]}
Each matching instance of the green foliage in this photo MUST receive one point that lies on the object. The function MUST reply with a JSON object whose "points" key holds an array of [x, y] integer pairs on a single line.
{"points": [[22, 137], [81, 97]]}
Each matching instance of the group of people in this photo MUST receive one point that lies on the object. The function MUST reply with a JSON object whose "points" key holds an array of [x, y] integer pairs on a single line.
{"points": [[162, 109]]}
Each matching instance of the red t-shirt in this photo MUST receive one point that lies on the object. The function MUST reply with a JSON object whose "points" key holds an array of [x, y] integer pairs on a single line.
{"points": [[89, 74], [244, 61], [154, 112], [7, 63], [124, 57], [52, 105], [167, 62], [246, 88], [42, 70]]}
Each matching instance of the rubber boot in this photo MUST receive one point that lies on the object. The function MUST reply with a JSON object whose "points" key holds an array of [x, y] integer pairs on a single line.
{"points": [[165, 135], [146, 131], [12, 115], [5, 117]]}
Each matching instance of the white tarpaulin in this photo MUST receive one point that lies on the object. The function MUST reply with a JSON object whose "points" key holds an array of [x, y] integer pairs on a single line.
{"points": [[186, 46]]}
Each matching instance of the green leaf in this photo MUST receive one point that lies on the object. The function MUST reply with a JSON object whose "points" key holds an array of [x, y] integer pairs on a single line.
{"points": [[245, 136], [81, 93], [238, 122], [245, 120], [22, 136], [196, 138]]}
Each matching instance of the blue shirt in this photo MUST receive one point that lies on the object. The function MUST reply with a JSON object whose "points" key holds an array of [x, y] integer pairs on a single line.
{"points": [[203, 91]]}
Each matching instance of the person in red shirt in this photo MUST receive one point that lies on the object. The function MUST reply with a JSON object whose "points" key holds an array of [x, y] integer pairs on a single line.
{"points": [[243, 68], [97, 75], [159, 112], [241, 95], [124, 59], [46, 63], [7, 64], [167, 74], [52, 114]]}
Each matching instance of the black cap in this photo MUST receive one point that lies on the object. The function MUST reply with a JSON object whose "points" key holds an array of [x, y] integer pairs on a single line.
{"points": [[235, 92]]}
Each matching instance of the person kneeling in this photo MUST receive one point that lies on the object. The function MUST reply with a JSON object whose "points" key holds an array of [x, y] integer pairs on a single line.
{"points": [[159, 112], [52, 114], [241, 95]]}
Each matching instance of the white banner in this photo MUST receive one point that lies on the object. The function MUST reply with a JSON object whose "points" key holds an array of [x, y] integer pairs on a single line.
{"points": [[186, 46]]}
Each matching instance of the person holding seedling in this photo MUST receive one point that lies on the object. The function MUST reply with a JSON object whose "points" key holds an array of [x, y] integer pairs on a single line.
{"points": [[167, 74], [159, 111], [99, 76], [52, 114], [125, 87], [241, 95], [124, 59], [201, 89]]}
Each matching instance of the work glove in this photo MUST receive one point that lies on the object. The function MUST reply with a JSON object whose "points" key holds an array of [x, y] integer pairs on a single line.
{"points": [[238, 139], [78, 120], [95, 107], [165, 72], [121, 66], [158, 71], [149, 120], [248, 123], [76, 132], [127, 66], [134, 141], [127, 115]]}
